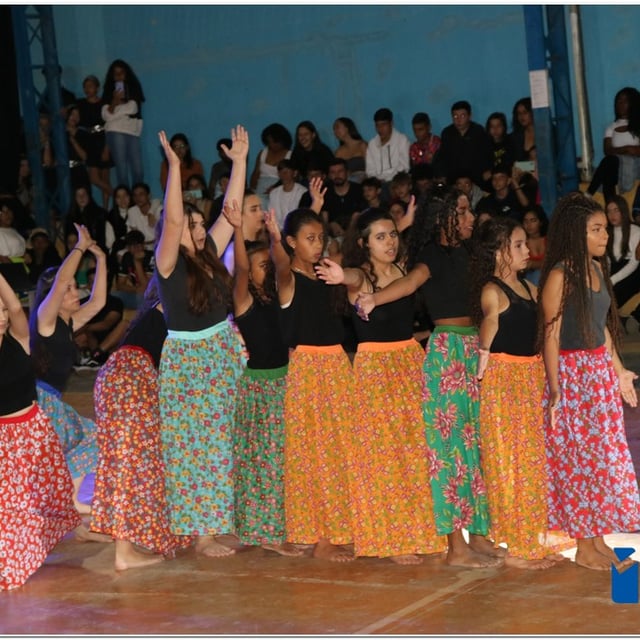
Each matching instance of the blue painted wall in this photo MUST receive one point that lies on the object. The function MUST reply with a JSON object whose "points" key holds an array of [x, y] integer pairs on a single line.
{"points": [[206, 68]]}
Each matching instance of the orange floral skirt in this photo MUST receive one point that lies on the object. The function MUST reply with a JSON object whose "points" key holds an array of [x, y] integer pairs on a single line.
{"points": [[513, 457], [318, 419], [391, 490]]}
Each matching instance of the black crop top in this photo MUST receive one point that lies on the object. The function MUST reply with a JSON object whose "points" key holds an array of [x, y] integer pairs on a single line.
{"points": [[55, 355], [261, 329], [17, 378], [447, 290], [517, 324], [311, 318], [148, 333], [570, 338], [174, 295], [391, 322]]}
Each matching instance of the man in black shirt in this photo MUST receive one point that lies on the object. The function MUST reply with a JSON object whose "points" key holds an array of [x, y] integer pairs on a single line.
{"points": [[465, 148], [343, 198], [506, 198]]}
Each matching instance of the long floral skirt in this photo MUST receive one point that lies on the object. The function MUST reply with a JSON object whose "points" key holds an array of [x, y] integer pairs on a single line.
{"points": [[513, 458], [593, 486], [129, 501], [391, 492], [259, 457], [451, 412], [36, 500], [77, 434], [318, 417], [199, 372]]}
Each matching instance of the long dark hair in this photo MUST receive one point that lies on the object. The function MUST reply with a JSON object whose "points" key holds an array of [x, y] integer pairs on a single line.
{"points": [[567, 245], [132, 86], [203, 290], [355, 248], [188, 158], [40, 356], [633, 95], [268, 292], [523, 102], [626, 226], [351, 128], [436, 215], [491, 237]]}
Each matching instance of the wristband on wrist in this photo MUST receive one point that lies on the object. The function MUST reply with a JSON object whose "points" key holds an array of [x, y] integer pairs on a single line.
{"points": [[76, 249]]}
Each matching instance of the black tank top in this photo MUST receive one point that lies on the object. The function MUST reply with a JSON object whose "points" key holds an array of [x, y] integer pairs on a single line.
{"points": [[311, 317], [390, 322], [517, 324], [148, 333], [447, 290], [262, 332], [55, 355], [17, 378], [174, 294]]}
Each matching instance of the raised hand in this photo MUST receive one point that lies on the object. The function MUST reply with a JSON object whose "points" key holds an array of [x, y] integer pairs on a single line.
{"points": [[410, 215], [233, 213], [170, 154], [329, 271], [365, 304], [272, 225], [84, 237], [317, 190], [627, 390], [239, 144]]}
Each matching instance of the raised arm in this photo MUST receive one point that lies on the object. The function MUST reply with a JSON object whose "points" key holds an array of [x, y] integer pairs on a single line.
{"points": [[222, 230], [551, 298], [281, 259], [48, 309], [18, 324], [98, 297], [399, 288], [317, 191], [173, 215], [242, 299]]}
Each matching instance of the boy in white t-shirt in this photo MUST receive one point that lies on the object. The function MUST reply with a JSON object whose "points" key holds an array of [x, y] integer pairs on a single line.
{"points": [[286, 197]]}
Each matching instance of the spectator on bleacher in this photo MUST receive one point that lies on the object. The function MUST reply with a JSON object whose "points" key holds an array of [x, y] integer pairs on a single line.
{"points": [[122, 113], [145, 213], [277, 146], [465, 148], [12, 244], [506, 198], [136, 269], [372, 193], [286, 197], [309, 150], [197, 194], [118, 215], [352, 148], [473, 192], [77, 148], [40, 254], [188, 164], [388, 151], [621, 146], [426, 144], [501, 141], [523, 133], [98, 161], [86, 211]]}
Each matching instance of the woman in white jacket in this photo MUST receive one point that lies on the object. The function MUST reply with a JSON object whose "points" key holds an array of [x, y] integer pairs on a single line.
{"points": [[123, 97]]}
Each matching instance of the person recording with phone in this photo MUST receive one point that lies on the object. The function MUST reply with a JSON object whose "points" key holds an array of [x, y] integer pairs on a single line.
{"points": [[122, 114]]}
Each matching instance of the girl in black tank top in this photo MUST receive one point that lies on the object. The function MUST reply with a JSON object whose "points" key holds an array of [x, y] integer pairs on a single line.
{"points": [[259, 434], [512, 374], [392, 508], [318, 411]]}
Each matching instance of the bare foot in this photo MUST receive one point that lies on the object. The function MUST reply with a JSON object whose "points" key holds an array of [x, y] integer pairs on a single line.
{"points": [[84, 535], [592, 559], [324, 550], [556, 557], [207, 546], [521, 563], [284, 549], [127, 557], [467, 557], [408, 558], [82, 508], [483, 545]]}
